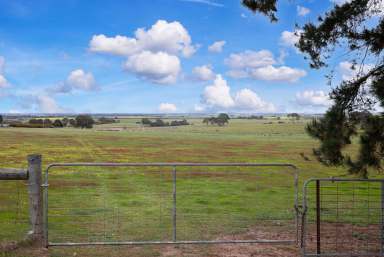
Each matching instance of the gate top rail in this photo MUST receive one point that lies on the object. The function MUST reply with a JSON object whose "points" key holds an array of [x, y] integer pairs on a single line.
{"points": [[13, 174], [171, 164]]}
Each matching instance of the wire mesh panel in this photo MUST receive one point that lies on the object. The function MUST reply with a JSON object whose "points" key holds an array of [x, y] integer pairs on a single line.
{"points": [[14, 219], [171, 203], [343, 217]]}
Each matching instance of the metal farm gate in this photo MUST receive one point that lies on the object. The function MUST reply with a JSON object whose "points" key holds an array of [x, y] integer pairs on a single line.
{"points": [[343, 217], [170, 203]]}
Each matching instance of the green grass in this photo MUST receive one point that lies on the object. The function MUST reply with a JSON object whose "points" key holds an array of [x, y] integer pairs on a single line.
{"points": [[135, 204]]}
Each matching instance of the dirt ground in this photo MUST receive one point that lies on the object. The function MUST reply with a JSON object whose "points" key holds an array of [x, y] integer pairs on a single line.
{"points": [[335, 237], [221, 250]]}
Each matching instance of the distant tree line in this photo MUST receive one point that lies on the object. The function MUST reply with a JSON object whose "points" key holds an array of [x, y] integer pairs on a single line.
{"points": [[106, 120], [221, 120], [80, 121], [252, 117], [161, 123]]}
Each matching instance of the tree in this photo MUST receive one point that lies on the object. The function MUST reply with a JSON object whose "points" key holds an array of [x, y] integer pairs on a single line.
{"points": [[145, 121], [72, 122], [1, 120], [65, 122], [57, 124], [355, 29], [84, 121], [47, 123], [293, 115]]}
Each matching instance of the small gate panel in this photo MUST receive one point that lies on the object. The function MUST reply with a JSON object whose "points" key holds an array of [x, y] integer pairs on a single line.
{"points": [[343, 217]]}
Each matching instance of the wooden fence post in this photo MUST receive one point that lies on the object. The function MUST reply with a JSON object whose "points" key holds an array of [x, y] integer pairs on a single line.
{"points": [[35, 198]]}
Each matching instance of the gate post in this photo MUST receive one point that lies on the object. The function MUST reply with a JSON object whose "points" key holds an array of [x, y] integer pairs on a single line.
{"points": [[35, 198]]}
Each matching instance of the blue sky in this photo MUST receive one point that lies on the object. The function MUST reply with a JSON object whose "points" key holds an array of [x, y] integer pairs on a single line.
{"points": [[168, 56]]}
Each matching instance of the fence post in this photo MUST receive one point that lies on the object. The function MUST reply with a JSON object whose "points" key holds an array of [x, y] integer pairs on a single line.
{"points": [[35, 198]]}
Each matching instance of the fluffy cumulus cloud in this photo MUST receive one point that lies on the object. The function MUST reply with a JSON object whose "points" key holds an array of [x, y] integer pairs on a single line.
{"points": [[217, 46], [167, 108], [302, 11], [81, 80], [162, 44], [313, 98], [282, 73], [76, 80], [218, 96], [160, 67], [250, 59], [170, 37], [203, 73], [260, 65], [246, 99]]}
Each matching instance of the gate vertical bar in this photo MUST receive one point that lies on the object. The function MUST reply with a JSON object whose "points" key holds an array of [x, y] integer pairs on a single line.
{"points": [[174, 205], [318, 245], [382, 219], [45, 213]]}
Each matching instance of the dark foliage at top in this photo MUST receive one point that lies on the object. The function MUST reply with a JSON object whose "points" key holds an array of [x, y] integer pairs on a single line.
{"points": [[355, 28]]}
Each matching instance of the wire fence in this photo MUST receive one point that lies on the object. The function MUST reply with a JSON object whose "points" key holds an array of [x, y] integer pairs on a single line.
{"points": [[344, 217], [171, 204], [14, 219]]}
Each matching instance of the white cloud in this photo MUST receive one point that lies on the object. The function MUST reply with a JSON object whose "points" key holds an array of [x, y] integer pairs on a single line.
{"points": [[259, 65], [81, 80], [302, 11], [118, 45], [151, 54], [203, 72], [290, 38], [248, 100], [313, 98], [282, 73], [218, 94], [167, 107], [76, 80], [163, 36], [47, 104], [217, 46], [250, 59], [160, 67], [3, 81]]}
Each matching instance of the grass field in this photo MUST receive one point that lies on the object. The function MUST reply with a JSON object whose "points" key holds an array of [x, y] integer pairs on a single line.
{"points": [[212, 203]]}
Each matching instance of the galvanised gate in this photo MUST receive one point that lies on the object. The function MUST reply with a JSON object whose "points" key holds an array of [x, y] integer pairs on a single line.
{"points": [[170, 203]]}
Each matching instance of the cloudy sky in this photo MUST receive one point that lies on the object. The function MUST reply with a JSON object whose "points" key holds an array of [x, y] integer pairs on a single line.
{"points": [[169, 56]]}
